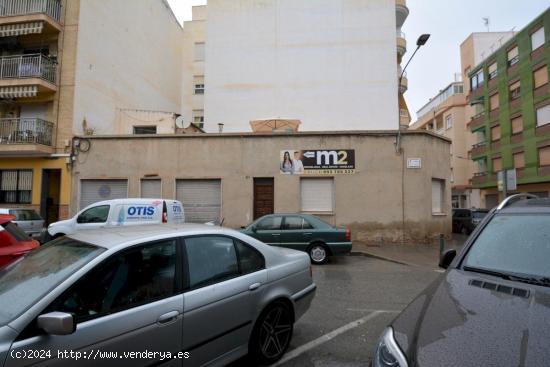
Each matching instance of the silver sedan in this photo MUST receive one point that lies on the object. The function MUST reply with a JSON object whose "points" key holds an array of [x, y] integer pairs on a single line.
{"points": [[171, 295]]}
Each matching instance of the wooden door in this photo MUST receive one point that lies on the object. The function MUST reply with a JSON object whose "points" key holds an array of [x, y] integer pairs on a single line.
{"points": [[264, 189]]}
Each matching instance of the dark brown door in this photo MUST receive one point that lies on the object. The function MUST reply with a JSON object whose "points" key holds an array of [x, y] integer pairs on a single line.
{"points": [[263, 197]]}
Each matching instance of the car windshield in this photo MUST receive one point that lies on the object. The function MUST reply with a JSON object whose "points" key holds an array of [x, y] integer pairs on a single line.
{"points": [[25, 214], [479, 215], [26, 281], [513, 244]]}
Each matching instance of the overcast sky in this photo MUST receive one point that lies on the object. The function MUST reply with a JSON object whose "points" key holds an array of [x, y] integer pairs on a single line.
{"points": [[449, 22]]}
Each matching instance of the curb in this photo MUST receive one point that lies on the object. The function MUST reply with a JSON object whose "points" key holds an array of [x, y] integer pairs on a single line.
{"points": [[389, 259]]}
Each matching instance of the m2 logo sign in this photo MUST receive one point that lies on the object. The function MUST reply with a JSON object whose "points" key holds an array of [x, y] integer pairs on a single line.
{"points": [[317, 161]]}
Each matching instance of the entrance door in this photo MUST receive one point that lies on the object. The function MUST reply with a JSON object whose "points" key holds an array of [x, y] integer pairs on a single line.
{"points": [[50, 194], [264, 189]]}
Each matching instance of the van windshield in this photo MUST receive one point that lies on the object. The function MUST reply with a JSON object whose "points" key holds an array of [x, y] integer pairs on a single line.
{"points": [[36, 274]]}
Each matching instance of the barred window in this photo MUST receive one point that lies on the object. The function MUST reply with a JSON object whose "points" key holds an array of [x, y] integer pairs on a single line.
{"points": [[16, 186]]}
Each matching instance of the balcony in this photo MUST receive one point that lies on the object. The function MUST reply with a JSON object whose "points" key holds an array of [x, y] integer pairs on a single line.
{"points": [[25, 76], [404, 117], [404, 83], [28, 136], [401, 43], [479, 149], [480, 178], [477, 121], [21, 17], [401, 12]]}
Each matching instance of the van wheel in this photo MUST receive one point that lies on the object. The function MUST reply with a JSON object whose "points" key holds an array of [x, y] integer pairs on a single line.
{"points": [[271, 335], [318, 253]]}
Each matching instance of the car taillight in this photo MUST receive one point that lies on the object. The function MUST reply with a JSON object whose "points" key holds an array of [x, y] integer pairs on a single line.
{"points": [[348, 234], [164, 217]]}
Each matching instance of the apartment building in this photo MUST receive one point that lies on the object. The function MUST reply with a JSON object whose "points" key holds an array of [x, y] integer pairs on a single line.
{"points": [[73, 67], [509, 91], [323, 65]]}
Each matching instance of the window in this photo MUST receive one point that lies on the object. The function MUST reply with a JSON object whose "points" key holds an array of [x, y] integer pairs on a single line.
{"points": [[250, 260], [513, 56], [211, 259], [476, 81], [307, 225], [481, 165], [25, 214], [293, 223], [449, 122], [537, 38], [438, 194], [198, 81], [199, 51], [495, 133], [270, 224], [128, 279], [139, 130], [515, 90], [497, 164], [317, 194], [544, 156], [540, 77], [151, 188], [519, 160], [543, 115], [98, 214], [16, 186], [493, 70], [198, 118], [493, 102], [517, 125]]}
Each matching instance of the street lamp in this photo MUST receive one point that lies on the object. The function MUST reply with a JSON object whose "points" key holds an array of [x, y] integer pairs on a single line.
{"points": [[421, 41]]}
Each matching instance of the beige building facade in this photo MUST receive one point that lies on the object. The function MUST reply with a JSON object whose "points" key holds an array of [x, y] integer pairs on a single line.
{"points": [[70, 67], [385, 197]]}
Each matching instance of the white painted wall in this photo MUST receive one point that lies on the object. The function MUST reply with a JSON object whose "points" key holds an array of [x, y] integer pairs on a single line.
{"points": [[129, 56], [329, 63], [485, 43]]}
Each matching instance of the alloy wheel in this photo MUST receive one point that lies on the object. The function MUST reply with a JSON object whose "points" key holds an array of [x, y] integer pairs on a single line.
{"points": [[275, 333]]}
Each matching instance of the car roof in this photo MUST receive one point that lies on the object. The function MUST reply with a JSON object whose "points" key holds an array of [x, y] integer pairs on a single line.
{"points": [[115, 236], [131, 200]]}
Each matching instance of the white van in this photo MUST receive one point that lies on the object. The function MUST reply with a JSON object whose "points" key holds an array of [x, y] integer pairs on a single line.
{"points": [[120, 212]]}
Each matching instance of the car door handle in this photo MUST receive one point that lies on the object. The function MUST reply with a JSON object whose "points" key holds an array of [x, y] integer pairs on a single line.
{"points": [[275, 234], [308, 234], [254, 286], [167, 317]]}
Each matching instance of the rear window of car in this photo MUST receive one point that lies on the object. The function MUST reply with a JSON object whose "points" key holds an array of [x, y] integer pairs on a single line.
{"points": [[15, 231], [25, 214]]}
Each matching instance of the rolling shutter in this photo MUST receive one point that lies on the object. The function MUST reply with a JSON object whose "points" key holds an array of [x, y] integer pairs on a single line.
{"points": [[151, 189], [317, 194], [92, 191], [201, 199]]}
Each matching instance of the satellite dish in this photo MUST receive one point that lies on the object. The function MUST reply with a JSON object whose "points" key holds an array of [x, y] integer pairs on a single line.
{"points": [[180, 122]]}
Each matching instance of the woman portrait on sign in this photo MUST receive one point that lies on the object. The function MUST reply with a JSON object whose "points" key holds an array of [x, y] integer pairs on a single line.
{"points": [[287, 165]]}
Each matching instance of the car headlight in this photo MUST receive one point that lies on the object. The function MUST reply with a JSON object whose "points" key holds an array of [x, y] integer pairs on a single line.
{"points": [[388, 353]]}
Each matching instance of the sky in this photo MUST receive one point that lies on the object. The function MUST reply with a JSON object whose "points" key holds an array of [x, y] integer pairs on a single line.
{"points": [[449, 22]]}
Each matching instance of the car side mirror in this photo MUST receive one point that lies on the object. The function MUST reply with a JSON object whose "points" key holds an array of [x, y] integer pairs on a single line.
{"points": [[57, 323], [447, 258]]}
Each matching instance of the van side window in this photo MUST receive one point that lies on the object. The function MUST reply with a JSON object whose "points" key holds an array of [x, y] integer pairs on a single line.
{"points": [[98, 214]]}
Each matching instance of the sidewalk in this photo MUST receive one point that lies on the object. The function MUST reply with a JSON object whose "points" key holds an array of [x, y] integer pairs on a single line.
{"points": [[422, 255]]}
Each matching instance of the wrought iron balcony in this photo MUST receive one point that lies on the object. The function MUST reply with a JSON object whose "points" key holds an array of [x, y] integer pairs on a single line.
{"points": [[26, 131], [28, 66], [10, 8]]}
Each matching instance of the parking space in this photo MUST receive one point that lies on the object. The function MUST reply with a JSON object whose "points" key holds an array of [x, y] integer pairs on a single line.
{"points": [[356, 298]]}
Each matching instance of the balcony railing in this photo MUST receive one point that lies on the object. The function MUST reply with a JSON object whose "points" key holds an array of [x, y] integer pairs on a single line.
{"points": [[28, 66], [26, 131], [10, 8], [479, 145]]}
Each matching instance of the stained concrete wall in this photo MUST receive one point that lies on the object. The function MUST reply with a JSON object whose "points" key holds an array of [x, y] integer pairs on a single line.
{"points": [[369, 201]]}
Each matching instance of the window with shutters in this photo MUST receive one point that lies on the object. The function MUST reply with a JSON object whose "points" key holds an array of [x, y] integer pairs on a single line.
{"points": [[198, 118], [438, 196], [495, 133], [517, 125], [317, 194], [493, 72], [16, 186], [543, 115], [199, 51], [493, 102], [151, 188], [448, 122], [497, 164], [476, 80], [519, 160], [540, 77], [537, 38], [544, 156], [198, 81], [515, 90], [513, 56]]}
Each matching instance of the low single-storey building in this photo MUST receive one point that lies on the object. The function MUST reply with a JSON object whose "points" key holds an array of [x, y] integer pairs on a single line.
{"points": [[386, 186]]}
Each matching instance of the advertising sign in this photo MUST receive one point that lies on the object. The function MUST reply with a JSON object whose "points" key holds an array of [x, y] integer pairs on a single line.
{"points": [[317, 162]]}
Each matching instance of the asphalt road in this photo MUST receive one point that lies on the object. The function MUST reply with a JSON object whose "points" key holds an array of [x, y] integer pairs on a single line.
{"points": [[356, 299]]}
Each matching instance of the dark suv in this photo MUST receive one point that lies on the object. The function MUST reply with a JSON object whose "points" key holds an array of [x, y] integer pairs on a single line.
{"points": [[491, 307], [466, 220]]}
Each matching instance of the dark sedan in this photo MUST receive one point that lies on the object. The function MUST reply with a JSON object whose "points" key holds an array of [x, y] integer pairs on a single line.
{"points": [[491, 307], [302, 232]]}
